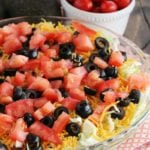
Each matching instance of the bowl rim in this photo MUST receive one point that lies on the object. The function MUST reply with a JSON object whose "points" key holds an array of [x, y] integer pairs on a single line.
{"points": [[143, 56], [128, 9]]}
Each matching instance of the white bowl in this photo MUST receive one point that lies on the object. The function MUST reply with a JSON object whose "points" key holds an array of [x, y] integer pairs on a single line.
{"points": [[115, 21]]}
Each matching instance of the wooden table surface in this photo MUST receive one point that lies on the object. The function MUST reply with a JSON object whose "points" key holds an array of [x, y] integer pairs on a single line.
{"points": [[138, 29]]}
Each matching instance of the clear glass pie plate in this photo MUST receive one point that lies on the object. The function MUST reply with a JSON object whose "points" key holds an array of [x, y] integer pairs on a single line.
{"points": [[124, 44]]}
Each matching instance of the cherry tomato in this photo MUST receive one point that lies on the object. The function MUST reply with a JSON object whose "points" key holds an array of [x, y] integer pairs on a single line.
{"points": [[96, 9], [108, 6], [98, 1], [122, 3], [83, 4]]}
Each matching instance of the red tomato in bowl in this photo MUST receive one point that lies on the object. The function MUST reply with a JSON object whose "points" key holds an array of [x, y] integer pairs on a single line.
{"points": [[108, 6], [122, 3], [83, 4]]}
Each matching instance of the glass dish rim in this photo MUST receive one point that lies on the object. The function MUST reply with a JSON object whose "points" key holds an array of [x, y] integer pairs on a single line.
{"points": [[143, 56]]}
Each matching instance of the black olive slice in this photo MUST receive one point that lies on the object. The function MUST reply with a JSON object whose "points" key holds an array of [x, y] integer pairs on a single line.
{"points": [[33, 141], [32, 54], [101, 43], [2, 108], [118, 113], [29, 119], [89, 91], [32, 94], [83, 109], [90, 66], [73, 129], [123, 102], [48, 121], [77, 60], [66, 50], [10, 72], [134, 96], [59, 110], [111, 72], [17, 93], [63, 92]]}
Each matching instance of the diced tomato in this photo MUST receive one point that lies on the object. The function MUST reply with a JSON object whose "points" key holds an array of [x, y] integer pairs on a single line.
{"points": [[109, 84], [77, 94], [58, 72], [45, 47], [50, 94], [122, 94], [37, 40], [92, 80], [19, 79], [19, 108], [97, 112], [45, 110], [17, 61], [65, 64], [31, 65], [2, 36], [57, 84], [56, 47], [6, 123], [116, 59], [1, 66], [61, 122], [6, 89], [23, 38], [70, 103], [109, 96], [50, 36], [51, 53], [6, 99], [24, 28], [43, 57], [11, 29], [80, 71], [59, 96], [11, 45], [39, 84], [29, 78], [72, 81], [83, 29], [63, 37], [45, 67], [52, 70], [39, 102], [138, 81], [100, 62], [19, 131], [83, 43], [44, 132]]}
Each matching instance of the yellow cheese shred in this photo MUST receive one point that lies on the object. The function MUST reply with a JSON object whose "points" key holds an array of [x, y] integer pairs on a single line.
{"points": [[120, 125]]}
